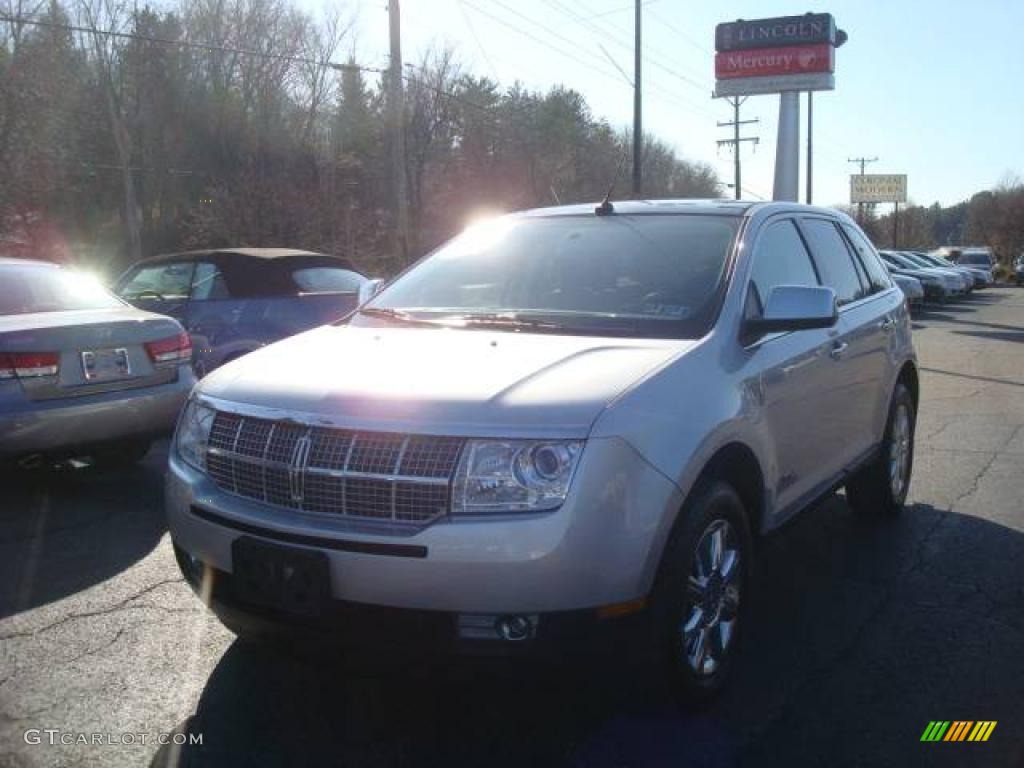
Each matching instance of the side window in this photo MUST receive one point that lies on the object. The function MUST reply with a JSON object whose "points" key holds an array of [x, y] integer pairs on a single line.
{"points": [[208, 283], [780, 258], [159, 281], [327, 280], [877, 273], [834, 260]]}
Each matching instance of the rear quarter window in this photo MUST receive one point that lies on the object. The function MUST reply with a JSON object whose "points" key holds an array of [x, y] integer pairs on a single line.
{"points": [[877, 273], [326, 280]]}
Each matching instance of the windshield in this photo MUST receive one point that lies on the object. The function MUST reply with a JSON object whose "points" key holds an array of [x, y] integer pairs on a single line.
{"points": [[980, 259], [29, 288], [640, 275], [913, 258]]}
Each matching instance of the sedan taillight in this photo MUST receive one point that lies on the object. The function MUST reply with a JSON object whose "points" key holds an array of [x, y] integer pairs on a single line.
{"points": [[173, 349], [28, 365]]}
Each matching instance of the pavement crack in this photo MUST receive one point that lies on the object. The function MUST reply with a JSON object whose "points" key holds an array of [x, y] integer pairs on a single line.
{"points": [[122, 605]]}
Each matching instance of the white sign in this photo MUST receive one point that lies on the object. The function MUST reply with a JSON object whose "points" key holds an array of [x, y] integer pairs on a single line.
{"points": [[878, 188], [751, 86]]}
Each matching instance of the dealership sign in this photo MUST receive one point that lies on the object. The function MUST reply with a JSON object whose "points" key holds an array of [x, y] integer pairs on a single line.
{"points": [[787, 60], [786, 53], [878, 188], [770, 33]]}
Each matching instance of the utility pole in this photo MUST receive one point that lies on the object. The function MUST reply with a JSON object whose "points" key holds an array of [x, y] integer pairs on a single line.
{"points": [[861, 161], [736, 140], [638, 124], [396, 109], [810, 147]]}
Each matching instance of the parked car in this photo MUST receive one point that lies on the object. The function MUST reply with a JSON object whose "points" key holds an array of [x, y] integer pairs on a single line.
{"points": [[977, 256], [235, 300], [981, 278], [1018, 270], [973, 279], [82, 372], [560, 423], [963, 279], [911, 287], [937, 287]]}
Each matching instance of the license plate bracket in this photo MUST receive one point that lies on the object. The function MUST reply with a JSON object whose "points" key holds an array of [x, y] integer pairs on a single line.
{"points": [[287, 579], [105, 364]]}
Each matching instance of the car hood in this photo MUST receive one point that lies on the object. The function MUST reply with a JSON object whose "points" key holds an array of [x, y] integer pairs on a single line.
{"points": [[441, 381]]}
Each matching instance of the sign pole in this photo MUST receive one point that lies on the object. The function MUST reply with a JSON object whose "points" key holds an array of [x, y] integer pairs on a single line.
{"points": [[810, 147], [895, 225], [787, 148]]}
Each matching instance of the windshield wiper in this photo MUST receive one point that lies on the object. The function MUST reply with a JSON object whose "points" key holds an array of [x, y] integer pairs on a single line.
{"points": [[508, 320], [395, 315]]}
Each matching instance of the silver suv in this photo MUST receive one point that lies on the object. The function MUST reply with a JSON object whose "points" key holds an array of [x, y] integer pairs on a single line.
{"points": [[561, 422]]}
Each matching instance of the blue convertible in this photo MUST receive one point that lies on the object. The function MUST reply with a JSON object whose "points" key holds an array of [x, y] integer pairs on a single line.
{"points": [[235, 300]]}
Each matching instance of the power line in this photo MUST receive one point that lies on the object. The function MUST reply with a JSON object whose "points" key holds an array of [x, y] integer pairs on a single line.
{"points": [[538, 40], [476, 38], [608, 35], [682, 34], [208, 47]]}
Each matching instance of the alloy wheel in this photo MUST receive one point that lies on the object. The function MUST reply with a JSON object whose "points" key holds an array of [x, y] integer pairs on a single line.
{"points": [[713, 599], [899, 451]]}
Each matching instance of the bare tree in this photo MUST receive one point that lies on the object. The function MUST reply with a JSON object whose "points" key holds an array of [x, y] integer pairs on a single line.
{"points": [[102, 16]]}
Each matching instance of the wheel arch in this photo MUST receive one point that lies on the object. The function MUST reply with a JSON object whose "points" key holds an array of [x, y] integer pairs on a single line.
{"points": [[908, 377], [736, 464]]}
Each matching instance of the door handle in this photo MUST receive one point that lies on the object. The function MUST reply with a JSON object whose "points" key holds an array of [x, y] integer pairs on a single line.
{"points": [[838, 348], [887, 324]]}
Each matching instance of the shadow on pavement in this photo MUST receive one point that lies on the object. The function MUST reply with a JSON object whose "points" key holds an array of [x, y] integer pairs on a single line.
{"points": [[862, 632], [63, 530]]}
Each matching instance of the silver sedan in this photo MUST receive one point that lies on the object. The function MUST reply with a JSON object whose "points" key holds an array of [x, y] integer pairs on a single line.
{"points": [[81, 372]]}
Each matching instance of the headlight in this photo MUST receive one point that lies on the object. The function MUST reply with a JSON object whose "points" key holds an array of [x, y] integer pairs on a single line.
{"points": [[194, 432], [499, 476]]}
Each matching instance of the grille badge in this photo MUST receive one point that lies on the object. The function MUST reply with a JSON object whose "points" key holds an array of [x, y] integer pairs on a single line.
{"points": [[297, 465]]}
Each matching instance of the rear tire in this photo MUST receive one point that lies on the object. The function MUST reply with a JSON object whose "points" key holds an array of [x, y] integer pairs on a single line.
{"points": [[880, 488], [699, 598]]}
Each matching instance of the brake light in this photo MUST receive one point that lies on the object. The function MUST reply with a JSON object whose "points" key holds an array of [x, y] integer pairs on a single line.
{"points": [[173, 349], [27, 365]]}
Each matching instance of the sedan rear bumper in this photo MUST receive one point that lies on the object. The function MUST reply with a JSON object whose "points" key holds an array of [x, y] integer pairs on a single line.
{"points": [[62, 425]]}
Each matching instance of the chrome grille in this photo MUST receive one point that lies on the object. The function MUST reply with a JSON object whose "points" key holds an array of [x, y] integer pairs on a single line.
{"points": [[361, 475]]}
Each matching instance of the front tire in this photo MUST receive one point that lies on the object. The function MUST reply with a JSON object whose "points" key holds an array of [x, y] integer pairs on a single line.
{"points": [[701, 591], [881, 487]]}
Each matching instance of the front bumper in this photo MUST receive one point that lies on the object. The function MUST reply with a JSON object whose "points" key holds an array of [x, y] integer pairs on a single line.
{"points": [[63, 425], [352, 626], [600, 547]]}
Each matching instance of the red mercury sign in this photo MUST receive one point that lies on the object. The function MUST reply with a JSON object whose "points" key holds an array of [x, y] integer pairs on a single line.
{"points": [[788, 60]]}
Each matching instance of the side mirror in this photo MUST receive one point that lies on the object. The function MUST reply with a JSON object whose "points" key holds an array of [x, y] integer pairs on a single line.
{"points": [[369, 289], [795, 308]]}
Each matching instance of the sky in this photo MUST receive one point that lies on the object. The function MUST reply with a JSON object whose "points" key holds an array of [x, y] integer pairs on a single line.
{"points": [[933, 88]]}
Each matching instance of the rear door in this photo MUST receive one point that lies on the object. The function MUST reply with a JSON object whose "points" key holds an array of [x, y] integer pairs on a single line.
{"points": [[213, 315], [858, 353]]}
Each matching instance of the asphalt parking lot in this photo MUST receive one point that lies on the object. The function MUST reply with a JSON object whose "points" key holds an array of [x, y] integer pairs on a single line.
{"points": [[863, 631]]}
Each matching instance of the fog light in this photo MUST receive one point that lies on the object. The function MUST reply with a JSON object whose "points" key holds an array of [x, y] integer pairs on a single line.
{"points": [[514, 628]]}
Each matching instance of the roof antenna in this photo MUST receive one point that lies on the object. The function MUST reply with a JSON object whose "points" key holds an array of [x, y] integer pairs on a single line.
{"points": [[606, 208]]}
